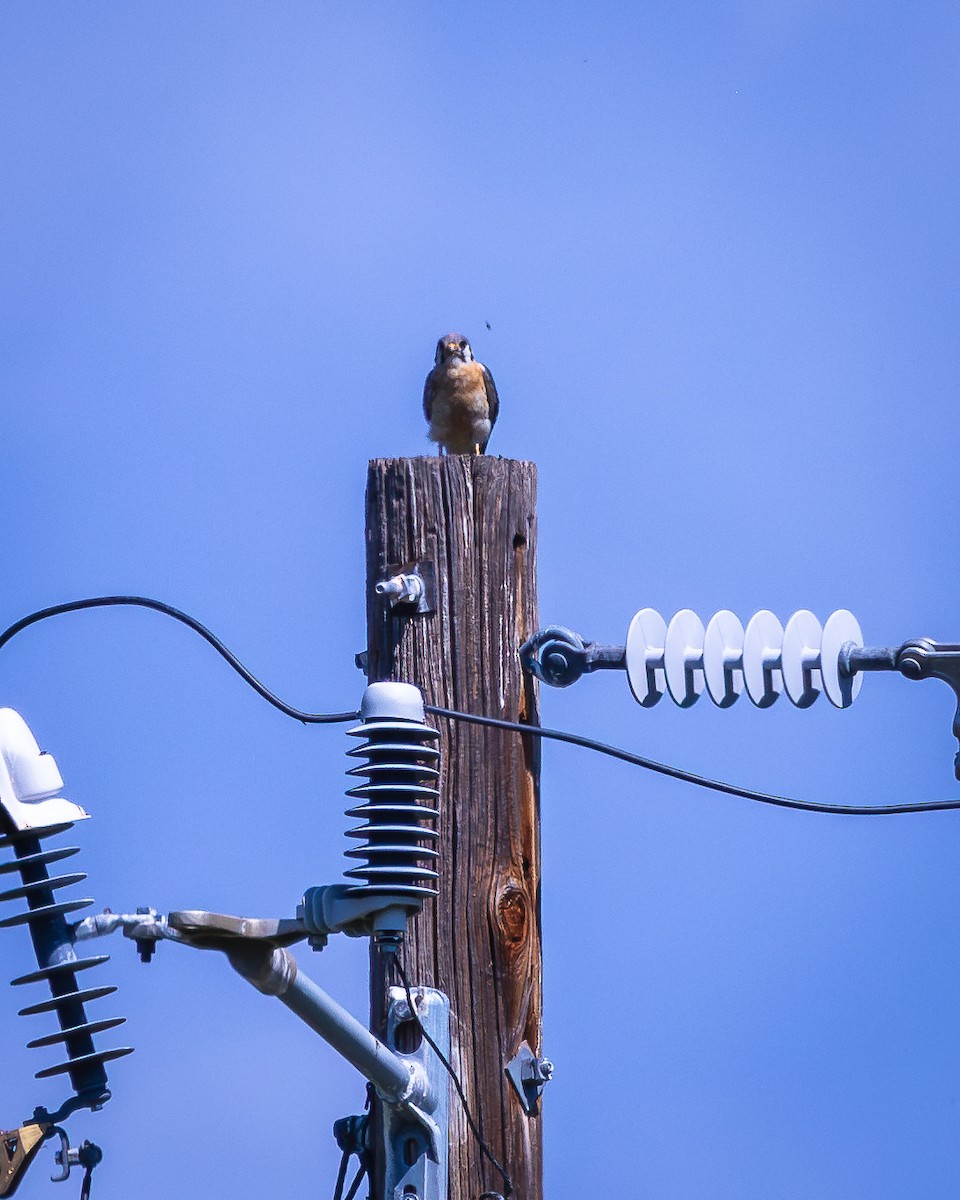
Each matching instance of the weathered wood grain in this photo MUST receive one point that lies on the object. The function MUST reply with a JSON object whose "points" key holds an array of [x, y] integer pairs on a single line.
{"points": [[479, 941]]}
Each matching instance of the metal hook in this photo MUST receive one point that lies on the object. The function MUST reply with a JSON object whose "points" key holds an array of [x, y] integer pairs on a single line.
{"points": [[62, 1156], [87, 1155]]}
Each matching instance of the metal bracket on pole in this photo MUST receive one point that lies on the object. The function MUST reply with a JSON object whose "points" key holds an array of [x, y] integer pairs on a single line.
{"points": [[529, 1076], [405, 1070], [416, 1137], [410, 588], [18, 1149]]}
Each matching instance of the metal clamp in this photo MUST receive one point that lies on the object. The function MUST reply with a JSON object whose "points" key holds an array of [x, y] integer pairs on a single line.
{"points": [[352, 1135], [558, 656], [529, 1075], [87, 1155], [18, 1149], [410, 588], [927, 659]]}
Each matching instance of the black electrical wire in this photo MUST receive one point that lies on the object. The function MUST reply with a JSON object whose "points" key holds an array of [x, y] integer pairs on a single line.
{"points": [[556, 735], [474, 1127], [191, 623], [637, 760]]}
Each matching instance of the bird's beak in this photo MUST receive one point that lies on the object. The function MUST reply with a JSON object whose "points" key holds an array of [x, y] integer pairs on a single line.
{"points": [[453, 348]]}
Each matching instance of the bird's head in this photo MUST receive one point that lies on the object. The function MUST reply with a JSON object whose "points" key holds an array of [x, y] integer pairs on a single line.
{"points": [[453, 346]]}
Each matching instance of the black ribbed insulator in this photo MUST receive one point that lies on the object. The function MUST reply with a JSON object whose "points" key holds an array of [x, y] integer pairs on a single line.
{"points": [[52, 936], [400, 797]]}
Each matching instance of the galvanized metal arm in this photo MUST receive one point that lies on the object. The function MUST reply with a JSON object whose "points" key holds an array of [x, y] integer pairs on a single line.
{"points": [[411, 1083]]}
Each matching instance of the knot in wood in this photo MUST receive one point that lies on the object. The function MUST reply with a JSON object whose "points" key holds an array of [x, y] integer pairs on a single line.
{"points": [[512, 915]]}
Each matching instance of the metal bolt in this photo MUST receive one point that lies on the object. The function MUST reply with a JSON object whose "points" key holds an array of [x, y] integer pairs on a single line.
{"points": [[401, 589], [555, 666], [146, 947], [537, 1070]]}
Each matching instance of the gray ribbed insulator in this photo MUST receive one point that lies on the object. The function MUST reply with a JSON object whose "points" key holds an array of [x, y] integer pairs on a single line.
{"points": [[58, 965], [400, 796]]}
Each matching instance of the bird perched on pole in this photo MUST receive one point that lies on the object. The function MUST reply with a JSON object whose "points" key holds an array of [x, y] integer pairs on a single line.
{"points": [[460, 399]]}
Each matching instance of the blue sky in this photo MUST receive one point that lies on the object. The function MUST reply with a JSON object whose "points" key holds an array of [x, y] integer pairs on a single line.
{"points": [[717, 249]]}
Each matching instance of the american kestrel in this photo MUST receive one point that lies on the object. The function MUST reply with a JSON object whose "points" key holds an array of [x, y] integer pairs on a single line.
{"points": [[460, 399]]}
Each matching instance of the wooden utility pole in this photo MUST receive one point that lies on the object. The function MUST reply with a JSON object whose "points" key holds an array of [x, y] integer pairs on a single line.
{"points": [[474, 520]]}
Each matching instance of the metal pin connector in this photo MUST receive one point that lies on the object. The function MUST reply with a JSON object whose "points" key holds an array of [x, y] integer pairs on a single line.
{"points": [[410, 586], [401, 589]]}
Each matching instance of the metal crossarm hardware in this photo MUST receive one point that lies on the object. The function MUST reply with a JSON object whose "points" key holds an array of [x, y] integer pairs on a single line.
{"points": [[399, 790], [684, 658]]}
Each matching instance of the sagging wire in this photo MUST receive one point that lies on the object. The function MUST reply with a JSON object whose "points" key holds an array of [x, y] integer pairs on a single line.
{"points": [[638, 760], [192, 623], [540, 731], [474, 1126]]}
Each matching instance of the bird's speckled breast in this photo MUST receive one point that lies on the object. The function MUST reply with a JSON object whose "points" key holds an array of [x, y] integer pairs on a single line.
{"points": [[461, 415]]}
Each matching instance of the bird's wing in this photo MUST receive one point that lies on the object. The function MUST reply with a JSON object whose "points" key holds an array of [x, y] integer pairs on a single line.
{"points": [[428, 398], [493, 400]]}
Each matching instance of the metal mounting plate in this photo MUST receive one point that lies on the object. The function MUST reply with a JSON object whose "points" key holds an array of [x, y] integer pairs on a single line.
{"points": [[528, 1079], [416, 1138]]}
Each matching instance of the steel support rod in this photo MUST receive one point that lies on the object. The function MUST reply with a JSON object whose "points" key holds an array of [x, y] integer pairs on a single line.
{"points": [[868, 658], [274, 972], [389, 1074]]}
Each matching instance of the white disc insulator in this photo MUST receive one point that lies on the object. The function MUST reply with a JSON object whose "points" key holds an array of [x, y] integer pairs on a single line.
{"points": [[683, 657], [645, 642], [801, 658], [723, 658], [762, 645], [841, 627]]}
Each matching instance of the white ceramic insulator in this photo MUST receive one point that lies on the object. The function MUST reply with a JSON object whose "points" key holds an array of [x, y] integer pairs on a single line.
{"points": [[762, 647], [29, 779], [723, 658], [800, 660], [840, 628], [683, 658], [644, 657]]}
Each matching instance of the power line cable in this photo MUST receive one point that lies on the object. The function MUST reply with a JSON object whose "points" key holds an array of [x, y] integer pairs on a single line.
{"points": [[540, 731], [191, 623], [637, 760]]}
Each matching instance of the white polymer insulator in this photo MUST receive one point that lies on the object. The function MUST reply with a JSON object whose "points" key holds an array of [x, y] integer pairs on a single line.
{"points": [[762, 646], [644, 657], [800, 660], [840, 628], [683, 657], [30, 780], [723, 657]]}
